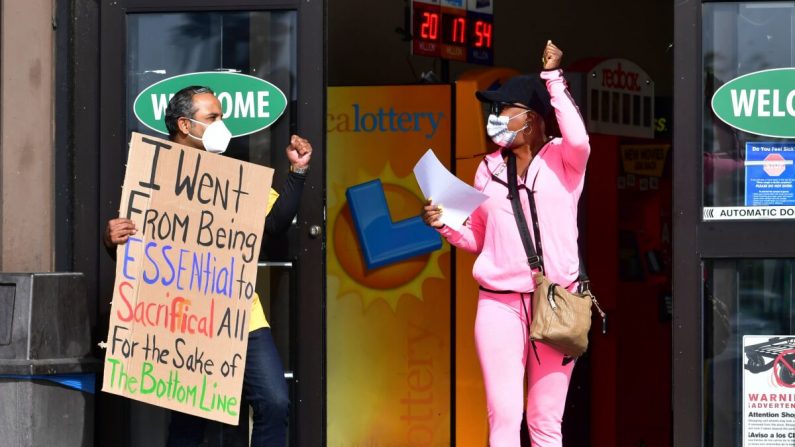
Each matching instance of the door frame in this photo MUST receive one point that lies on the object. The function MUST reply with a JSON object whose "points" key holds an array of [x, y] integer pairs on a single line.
{"points": [[687, 331], [96, 72]]}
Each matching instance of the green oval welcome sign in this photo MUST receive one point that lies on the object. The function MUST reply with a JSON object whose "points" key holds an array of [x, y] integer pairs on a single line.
{"points": [[761, 103], [249, 104]]}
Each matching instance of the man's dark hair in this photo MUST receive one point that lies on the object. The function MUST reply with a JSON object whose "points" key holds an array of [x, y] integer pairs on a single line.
{"points": [[181, 105]]}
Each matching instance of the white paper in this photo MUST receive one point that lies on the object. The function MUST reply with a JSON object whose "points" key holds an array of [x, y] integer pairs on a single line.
{"points": [[457, 199]]}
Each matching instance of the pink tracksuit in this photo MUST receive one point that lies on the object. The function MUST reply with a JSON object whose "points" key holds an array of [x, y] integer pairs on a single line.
{"points": [[556, 174]]}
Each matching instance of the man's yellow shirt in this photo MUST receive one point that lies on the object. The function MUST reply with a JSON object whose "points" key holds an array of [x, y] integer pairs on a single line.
{"points": [[258, 319]]}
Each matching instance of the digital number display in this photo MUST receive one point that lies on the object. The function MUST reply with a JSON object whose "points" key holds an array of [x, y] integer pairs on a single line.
{"points": [[480, 37], [450, 33], [457, 30], [429, 26], [480, 34], [454, 29], [426, 29]]}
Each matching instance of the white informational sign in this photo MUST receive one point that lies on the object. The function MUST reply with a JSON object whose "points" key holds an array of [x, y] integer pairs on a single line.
{"points": [[457, 199], [768, 390], [749, 212]]}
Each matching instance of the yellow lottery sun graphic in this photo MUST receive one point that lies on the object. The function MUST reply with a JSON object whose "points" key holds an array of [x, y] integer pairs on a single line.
{"points": [[390, 282]]}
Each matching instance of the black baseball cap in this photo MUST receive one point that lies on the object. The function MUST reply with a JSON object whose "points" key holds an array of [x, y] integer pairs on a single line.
{"points": [[529, 90]]}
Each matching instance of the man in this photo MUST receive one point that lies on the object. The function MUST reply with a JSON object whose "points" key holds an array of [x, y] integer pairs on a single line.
{"points": [[194, 118]]}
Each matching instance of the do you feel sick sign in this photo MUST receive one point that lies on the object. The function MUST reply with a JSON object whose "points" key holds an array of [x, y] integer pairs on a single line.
{"points": [[185, 281]]}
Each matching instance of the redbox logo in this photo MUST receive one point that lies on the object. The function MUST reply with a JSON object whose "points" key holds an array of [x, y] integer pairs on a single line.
{"points": [[620, 79]]}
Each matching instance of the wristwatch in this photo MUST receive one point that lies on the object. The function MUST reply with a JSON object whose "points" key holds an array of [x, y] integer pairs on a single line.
{"points": [[301, 171]]}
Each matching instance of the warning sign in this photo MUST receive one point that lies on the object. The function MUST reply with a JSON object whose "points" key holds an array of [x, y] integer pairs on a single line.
{"points": [[768, 390]]}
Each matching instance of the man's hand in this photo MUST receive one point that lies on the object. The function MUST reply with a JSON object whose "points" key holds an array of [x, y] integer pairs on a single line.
{"points": [[299, 152], [118, 231], [551, 57]]}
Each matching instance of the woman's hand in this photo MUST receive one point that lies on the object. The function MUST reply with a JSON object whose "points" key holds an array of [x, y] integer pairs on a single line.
{"points": [[431, 214], [551, 57]]}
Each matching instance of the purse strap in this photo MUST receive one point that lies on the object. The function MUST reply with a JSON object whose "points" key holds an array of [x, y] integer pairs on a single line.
{"points": [[534, 252], [534, 257]]}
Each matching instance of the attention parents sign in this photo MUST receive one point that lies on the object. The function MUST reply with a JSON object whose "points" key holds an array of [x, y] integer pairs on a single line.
{"points": [[185, 281]]}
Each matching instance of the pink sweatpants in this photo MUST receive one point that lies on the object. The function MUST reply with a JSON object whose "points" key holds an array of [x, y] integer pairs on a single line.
{"points": [[503, 349]]}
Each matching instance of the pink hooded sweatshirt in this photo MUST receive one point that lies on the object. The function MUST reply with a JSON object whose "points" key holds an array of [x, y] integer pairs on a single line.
{"points": [[556, 174]]}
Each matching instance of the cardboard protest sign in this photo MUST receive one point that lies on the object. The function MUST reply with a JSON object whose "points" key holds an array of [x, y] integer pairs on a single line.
{"points": [[185, 281]]}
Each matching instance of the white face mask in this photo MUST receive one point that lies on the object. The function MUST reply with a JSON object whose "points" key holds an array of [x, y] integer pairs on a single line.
{"points": [[497, 129], [216, 136]]}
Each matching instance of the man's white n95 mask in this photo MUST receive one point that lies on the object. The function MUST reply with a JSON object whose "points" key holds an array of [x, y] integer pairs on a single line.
{"points": [[216, 136]]}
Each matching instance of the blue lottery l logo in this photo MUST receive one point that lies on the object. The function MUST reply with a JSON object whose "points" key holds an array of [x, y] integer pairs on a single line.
{"points": [[382, 241]]}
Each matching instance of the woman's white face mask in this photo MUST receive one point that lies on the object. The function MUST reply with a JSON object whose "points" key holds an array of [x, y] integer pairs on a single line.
{"points": [[216, 136], [497, 129]]}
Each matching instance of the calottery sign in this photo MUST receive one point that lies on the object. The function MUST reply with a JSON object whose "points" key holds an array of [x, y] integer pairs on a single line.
{"points": [[249, 104], [185, 281], [761, 103]]}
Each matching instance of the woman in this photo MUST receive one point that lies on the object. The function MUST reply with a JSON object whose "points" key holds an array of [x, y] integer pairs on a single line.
{"points": [[554, 170]]}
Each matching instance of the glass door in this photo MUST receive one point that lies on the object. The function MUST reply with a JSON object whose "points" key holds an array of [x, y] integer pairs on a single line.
{"points": [[734, 307], [748, 303], [145, 42]]}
